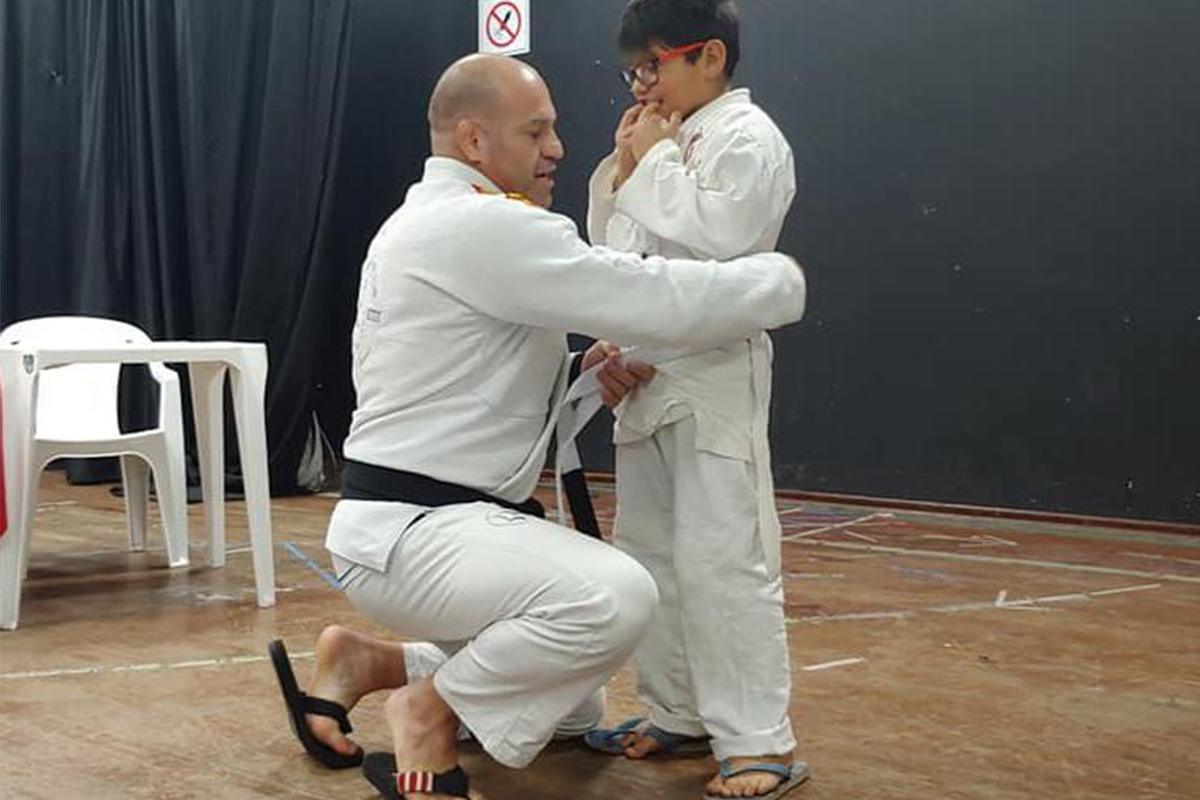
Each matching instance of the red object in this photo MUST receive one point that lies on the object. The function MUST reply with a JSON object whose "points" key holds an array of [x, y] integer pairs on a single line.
{"points": [[414, 782]]}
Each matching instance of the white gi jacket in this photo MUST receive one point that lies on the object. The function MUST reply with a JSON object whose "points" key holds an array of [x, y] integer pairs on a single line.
{"points": [[459, 346], [722, 190]]}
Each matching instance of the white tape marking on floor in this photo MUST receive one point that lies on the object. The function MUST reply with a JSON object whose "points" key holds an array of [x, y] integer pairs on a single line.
{"points": [[1157, 557], [1060, 597], [844, 662], [1020, 562], [1000, 602], [153, 667], [826, 528], [1122, 589]]}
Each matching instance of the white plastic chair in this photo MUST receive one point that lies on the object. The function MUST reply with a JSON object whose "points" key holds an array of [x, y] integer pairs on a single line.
{"points": [[74, 414]]}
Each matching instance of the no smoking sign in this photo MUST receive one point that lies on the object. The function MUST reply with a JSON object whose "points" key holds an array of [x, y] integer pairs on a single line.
{"points": [[504, 26]]}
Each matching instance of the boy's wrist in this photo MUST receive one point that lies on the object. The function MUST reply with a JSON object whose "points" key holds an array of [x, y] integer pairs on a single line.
{"points": [[624, 164], [657, 151]]}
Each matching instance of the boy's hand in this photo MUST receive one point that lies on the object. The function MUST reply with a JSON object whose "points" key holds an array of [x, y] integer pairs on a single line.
{"points": [[625, 126], [651, 128], [625, 160]]}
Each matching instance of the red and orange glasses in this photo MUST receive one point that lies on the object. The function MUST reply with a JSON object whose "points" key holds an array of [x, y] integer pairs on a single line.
{"points": [[646, 73]]}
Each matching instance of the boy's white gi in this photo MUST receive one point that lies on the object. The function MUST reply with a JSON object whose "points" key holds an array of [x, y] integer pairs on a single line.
{"points": [[695, 499], [459, 360]]}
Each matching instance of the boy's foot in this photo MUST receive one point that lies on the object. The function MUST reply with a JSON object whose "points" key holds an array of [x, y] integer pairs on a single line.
{"points": [[348, 667], [638, 738], [424, 733], [640, 745], [748, 784]]}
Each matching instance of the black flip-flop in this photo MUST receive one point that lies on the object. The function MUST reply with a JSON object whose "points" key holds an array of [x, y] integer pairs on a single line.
{"points": [[299, 704], [380, 770]]}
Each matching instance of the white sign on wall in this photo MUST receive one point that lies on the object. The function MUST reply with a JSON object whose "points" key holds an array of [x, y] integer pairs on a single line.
{"points": [[504, 27]]}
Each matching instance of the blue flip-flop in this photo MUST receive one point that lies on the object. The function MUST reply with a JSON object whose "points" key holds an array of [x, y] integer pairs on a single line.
{"points": [[791, 775], [608, 740]]}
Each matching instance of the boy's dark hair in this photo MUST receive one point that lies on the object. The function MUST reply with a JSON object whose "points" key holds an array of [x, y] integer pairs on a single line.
{"points": [[676, 23]]}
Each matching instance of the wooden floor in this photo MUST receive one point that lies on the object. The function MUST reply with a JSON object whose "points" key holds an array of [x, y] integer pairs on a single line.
{"points": [[933, 657]]}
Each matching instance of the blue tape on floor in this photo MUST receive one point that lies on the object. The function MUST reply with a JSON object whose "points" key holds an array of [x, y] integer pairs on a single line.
{"points": [[300, 556]]}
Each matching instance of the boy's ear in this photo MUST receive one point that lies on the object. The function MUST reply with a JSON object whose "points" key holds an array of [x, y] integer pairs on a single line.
{"points": [[713, 58]]}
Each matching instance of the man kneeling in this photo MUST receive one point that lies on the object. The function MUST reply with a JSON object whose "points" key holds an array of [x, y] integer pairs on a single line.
{"points": [[460, 355]]}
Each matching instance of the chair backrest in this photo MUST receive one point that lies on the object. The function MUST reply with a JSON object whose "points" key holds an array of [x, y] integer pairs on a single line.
{"points": [[79, 401]]}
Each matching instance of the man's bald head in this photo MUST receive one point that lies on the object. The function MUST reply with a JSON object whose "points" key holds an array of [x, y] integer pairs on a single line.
{"points": [[475, 87], [495, 114]]}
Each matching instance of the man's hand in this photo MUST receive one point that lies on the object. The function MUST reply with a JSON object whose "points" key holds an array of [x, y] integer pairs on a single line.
{"points": [[651, 128], [617, 379]]}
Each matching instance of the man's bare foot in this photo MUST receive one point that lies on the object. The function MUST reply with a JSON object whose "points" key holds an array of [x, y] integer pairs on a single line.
{"points": [[750, 784], [348, 667], [424, 733]]}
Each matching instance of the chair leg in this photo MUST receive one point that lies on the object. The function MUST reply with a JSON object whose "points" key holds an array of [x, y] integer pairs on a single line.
{"points": [[14, 548], [135, 477], [27, 519], [12, 545], [170, 485]]}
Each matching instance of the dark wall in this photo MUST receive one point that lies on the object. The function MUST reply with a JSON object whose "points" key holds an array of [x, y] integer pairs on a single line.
{"points": [[999, 213]]}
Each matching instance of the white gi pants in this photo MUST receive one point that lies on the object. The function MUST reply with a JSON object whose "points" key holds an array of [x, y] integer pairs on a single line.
{"points": [[716, 659], [531, 618]]}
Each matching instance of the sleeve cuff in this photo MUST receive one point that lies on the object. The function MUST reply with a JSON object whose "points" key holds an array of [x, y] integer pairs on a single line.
{"points": [[600, 185], [641, 182]]}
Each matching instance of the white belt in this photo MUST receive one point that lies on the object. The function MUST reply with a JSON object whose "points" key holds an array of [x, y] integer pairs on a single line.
{"points": [[760, 449], [583, 400]]}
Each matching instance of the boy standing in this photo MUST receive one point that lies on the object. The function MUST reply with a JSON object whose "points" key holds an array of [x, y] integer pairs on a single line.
{"points": [[700, 172]]}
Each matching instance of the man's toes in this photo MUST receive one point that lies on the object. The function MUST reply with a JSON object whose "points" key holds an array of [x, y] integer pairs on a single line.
{"points": [[327, 731]]}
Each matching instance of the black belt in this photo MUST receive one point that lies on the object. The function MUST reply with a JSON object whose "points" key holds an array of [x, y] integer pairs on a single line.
{"points": [[370, 482]]}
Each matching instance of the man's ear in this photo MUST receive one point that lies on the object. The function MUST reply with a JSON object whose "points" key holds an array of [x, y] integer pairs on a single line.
{"points": [[471, 139], [713, 58]]}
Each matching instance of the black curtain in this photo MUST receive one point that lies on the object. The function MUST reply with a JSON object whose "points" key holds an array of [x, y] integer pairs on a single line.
{"points": [[171, 163]]}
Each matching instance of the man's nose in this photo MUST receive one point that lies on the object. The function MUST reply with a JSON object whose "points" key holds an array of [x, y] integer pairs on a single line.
{"points": [[554, 149]]}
